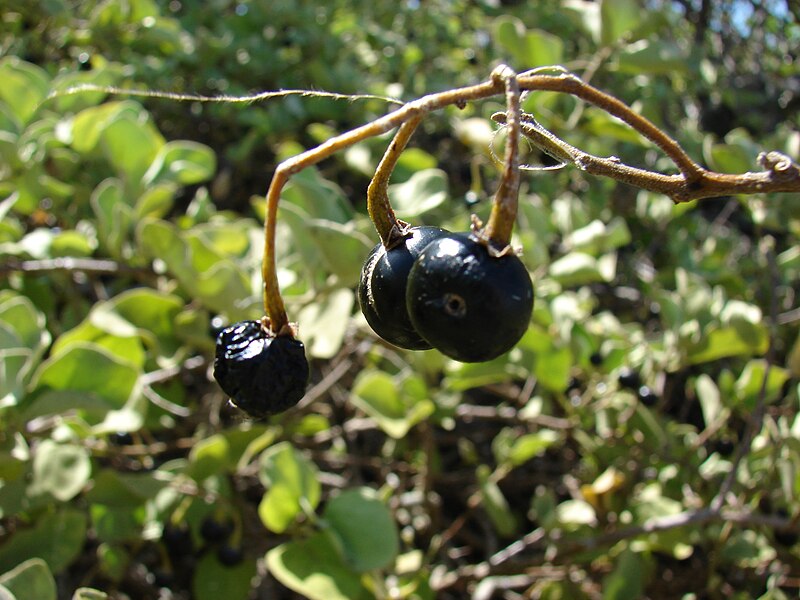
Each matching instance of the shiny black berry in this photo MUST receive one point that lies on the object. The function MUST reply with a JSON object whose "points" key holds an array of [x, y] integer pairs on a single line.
{"points": [[382, 289], [469, 305], [262, 374]]}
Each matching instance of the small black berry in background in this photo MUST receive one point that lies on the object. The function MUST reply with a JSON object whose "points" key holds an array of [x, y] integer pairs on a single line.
{"points": [[382, 288], [121, 438], [596, 359], [214, 531], [786, 537], [647, 396], [229, 555], [466, 303], [177, 539], [262, 374], [725, 446], [628, 378]]}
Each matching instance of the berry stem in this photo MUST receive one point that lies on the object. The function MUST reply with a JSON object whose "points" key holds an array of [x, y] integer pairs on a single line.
{"points": [[390, 228], [504, 207]]}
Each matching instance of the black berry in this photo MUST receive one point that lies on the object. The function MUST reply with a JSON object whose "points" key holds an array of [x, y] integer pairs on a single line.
{"points": [[214, 531], [628, 378], [262, 374], [469, 305], [596, 359], [177, 538], [382, 289], [647, 396], [229, 556]]}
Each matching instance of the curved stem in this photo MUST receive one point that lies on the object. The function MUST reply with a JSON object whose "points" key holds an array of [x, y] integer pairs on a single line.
{"points": [[273, 303], [504, 208], [389, 227], [569, 84]]}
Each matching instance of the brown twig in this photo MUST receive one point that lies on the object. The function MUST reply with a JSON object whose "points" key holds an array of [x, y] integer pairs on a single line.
{"points": [[94, 266], [779, 174]]}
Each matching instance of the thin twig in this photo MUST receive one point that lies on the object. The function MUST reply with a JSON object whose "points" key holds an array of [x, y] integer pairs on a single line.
{"points": [[68, 263]]}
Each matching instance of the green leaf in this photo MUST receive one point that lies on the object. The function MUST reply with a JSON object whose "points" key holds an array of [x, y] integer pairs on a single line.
{"points": [[182, 162], [61, 470], [57, 538], [618, 19], [325, 323], [364, 527], [24, 86], [531, 445], [341, 248], [532, 48], [131, 144], [653, 57], [724, 342], [209, 456], [750, 383], [495, 504], [116, 524], [88, 368], [709, 397], [423, 192], [396, 405], [576, 268], [30, 580], [552, 368], [213, 580], [315, 569], [113, 215], [156, 201], [317, 198], [89, 124], [292, 486], [626, 581], [85, 593], [128, 490]]}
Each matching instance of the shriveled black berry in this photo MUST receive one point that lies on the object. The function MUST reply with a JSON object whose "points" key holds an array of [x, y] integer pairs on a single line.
{"points": [[262, 374], [628, 378], [382, 288], [469, 305]]}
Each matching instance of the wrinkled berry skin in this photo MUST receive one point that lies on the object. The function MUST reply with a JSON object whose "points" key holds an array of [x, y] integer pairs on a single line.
{"points": [[471, 306], [263, 375], [382, 288]]}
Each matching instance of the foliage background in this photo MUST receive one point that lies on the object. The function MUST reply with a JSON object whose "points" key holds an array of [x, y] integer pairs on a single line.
{"points": [[590, 462]]}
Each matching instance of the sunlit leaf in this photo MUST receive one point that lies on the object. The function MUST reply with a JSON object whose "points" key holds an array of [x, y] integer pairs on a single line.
{"points": [[61, 470], [314, 568], [25, 85], [30, 580], [292, 486]]}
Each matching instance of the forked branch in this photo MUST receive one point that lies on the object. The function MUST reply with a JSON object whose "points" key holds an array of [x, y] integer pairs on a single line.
{"points": [[692, 182]]}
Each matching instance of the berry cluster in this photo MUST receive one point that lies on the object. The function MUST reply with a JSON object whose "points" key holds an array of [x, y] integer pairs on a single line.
{"points": [[444, 290], [468, 295]]}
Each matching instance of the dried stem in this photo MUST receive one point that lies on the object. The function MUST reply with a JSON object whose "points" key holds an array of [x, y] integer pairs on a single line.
{"points": [[504, 207], [693, 182]]}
